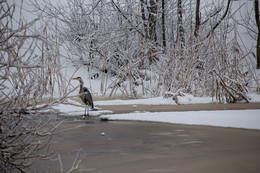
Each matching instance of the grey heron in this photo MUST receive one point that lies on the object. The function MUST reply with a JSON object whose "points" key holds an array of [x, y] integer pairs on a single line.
{"points": [[85, 95]]}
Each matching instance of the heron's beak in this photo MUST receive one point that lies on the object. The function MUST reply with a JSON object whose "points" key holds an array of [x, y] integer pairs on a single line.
{"points": [[74, 79]]}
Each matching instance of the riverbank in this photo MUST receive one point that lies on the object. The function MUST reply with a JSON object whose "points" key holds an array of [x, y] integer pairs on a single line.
{"points": [[118, 109]]}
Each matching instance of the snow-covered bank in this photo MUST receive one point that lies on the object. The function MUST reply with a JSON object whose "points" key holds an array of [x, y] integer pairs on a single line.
{"points": [[246, 119], [186, 99], [73, 108], [148, 101]]}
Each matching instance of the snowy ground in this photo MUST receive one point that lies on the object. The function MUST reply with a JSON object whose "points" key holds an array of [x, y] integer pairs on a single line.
{"points": [[247, 119]]}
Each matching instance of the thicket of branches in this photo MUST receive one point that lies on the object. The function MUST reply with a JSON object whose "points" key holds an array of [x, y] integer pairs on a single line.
{"points": [[162, 46], [29, 69]]}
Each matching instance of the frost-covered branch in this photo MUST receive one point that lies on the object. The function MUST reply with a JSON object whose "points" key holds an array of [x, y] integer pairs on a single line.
{"points": [[29, 69]]}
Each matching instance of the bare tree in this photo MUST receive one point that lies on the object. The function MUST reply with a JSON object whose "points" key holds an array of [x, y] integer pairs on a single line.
{"points": [[163, 25], [149, 17], [145, 21], [197, 17], [180, 28], [152, 17], [257, 19]]}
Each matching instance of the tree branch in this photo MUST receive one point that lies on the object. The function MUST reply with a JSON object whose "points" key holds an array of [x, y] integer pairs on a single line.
{"points": [[222, 18], [118, 9]]}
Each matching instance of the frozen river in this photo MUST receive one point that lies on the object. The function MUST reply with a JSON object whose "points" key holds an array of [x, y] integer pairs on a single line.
{"points": [[129, 146]]}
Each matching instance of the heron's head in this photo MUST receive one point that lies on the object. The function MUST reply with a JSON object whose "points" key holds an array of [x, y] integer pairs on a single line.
{"points": [[78, 78]]}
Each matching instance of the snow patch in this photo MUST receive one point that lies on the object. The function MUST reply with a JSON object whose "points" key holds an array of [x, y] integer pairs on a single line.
{"points": [[73, 108], [254, 97], [149, 101], [190, 99], [246, 119]]}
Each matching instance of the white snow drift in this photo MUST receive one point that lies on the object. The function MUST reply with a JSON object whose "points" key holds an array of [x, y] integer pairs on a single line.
{"points": [[247, 119]]}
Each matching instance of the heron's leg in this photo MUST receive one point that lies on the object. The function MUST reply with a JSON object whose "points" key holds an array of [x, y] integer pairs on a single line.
{"points": [[88, 111], [84, 116]]}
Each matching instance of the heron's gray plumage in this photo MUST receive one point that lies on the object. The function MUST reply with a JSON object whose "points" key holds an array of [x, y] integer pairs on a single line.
{"points": [[87, 98]]}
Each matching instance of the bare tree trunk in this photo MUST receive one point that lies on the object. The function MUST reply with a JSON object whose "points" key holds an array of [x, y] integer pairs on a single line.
{"points": [[144, 20], [152, 20], [150, 27], [197, 24], [257, 19], [163, 25], [180, 30]]}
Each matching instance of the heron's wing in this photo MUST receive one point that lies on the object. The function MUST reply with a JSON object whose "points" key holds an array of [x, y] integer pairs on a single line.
{"points": [[85, 90], [88, 98]]}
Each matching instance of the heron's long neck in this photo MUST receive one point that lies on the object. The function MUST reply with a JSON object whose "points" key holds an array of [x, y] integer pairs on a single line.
{"points": [[81, 86]]}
